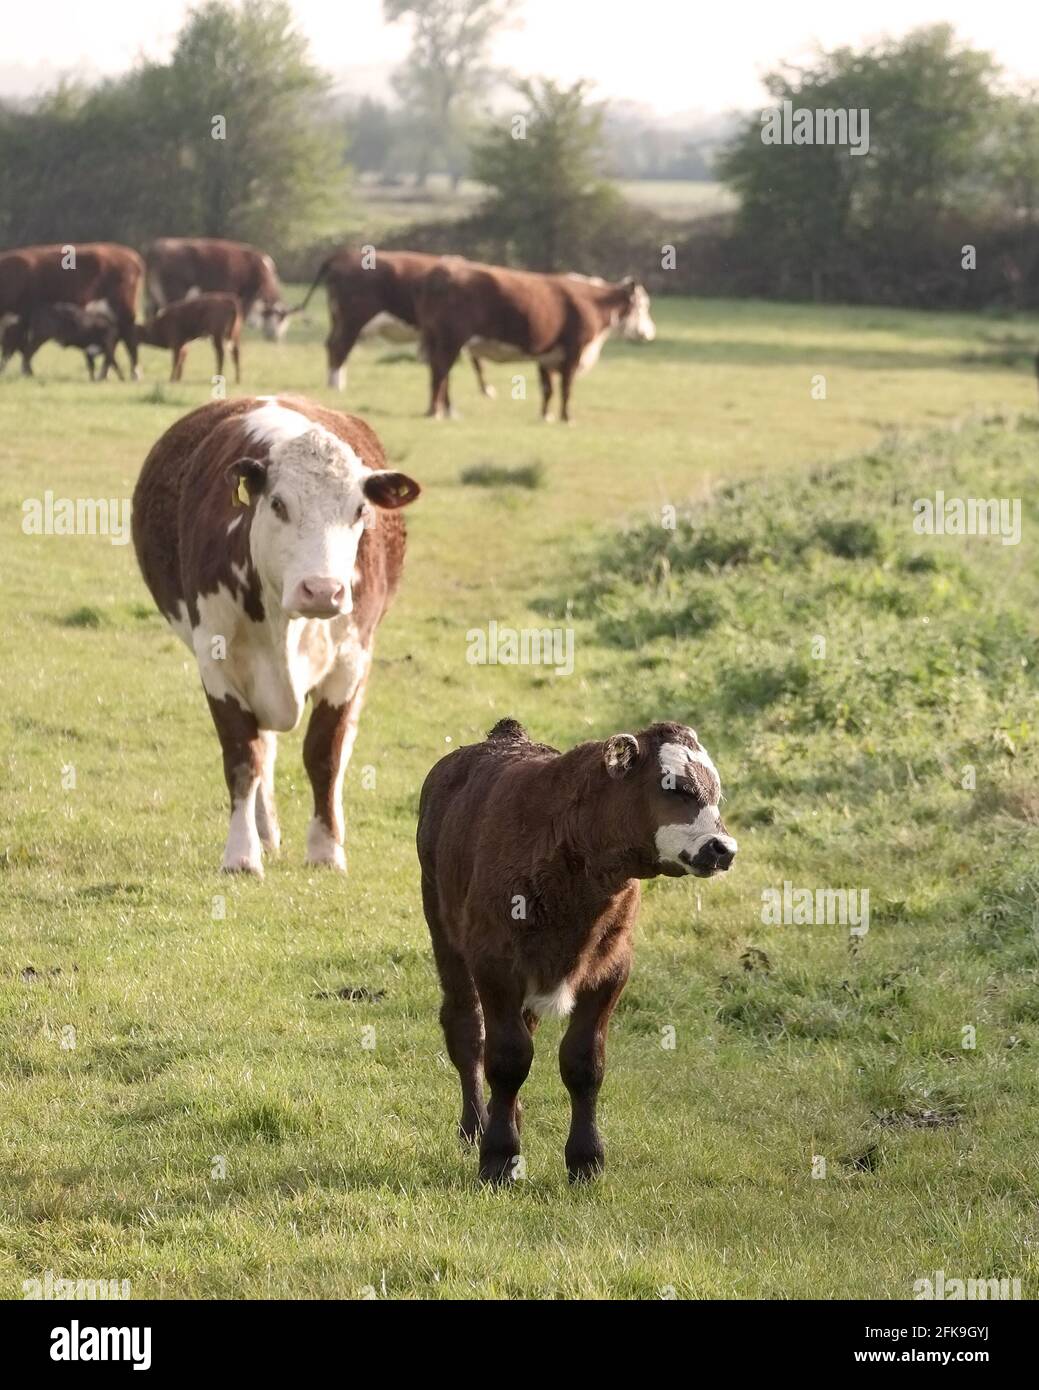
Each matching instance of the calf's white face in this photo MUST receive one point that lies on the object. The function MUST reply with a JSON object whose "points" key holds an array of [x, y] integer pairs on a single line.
{"points": [[674, 791], [311, 500], [696, 841]]}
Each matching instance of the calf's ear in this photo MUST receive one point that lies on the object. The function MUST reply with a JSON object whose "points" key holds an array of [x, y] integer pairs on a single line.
{"points": [[247, 478], [389, 490], [620, 753]]}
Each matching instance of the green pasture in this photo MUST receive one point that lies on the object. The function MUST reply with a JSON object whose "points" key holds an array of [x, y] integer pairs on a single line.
{"points": [[216, 1088]]}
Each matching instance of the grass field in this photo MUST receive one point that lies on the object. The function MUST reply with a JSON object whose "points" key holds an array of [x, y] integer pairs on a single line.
{"points": [[190, 1105]]}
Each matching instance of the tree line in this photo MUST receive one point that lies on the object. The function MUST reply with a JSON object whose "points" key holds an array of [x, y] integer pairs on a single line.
{"points": [[237, 135]]}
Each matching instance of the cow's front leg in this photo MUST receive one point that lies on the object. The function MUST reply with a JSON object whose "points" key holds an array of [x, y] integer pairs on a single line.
{"points": [[326, 752], [582, 1064], [243, 749], [266, 811]]}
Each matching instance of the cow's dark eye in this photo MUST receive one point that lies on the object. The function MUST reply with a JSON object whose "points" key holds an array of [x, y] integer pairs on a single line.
{"points": [[360, 513], [279, 509]]}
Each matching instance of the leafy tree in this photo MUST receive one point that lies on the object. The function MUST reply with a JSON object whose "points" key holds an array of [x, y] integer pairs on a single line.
{"points": [[549, 199], [930, 102], [135, 157], [446, 72]]}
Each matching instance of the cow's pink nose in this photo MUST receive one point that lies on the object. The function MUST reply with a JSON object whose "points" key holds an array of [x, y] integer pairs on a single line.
{"points": [[319, 596]]}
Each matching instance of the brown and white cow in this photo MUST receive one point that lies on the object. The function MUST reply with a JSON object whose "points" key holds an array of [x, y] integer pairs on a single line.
{"points": [[531, 861], [561, 321], [267, 530], [217, 317], [373, 297], [86, 274], [179, 267]]}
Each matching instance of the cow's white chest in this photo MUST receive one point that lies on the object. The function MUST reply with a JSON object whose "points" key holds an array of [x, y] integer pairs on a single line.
{"points": [[590, 354], [270, 667]]}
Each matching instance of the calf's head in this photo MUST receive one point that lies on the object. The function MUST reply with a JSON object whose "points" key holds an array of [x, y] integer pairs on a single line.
{"points": [[636, 323], [671, 793], [312, 498]]}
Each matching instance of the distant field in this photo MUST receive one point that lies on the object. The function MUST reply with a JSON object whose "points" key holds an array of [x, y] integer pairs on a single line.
{"points": [[380, 208], [186, 1103]]}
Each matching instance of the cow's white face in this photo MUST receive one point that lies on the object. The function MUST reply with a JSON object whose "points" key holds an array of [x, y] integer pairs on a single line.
{"points": [[274, 320], [311, 500], [637, 324]]}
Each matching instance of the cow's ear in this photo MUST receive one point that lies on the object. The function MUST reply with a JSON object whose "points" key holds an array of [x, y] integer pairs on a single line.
{"points": [[620, 753], [247, 478], [385, 488]]}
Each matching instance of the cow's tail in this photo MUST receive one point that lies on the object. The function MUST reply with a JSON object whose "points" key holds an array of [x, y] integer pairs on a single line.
{"points": [[321, 275]]}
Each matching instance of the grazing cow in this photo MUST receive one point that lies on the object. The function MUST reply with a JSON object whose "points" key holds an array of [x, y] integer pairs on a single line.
{"points": [[561, 321], [88, 274], [369, 301], [267, 531], [531, 861], [214, 316], [179, 267]]}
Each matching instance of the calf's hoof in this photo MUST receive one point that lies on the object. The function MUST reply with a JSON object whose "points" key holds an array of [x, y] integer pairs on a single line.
{"points": [[472, 1124], [584, 1165], [498, 1169]]}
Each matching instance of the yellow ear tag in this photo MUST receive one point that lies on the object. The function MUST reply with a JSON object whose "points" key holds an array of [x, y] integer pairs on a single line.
{"points": [[241, 496]]}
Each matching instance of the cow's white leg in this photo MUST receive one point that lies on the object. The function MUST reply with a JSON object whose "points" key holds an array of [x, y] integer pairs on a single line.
{"points": [[242, 852], [330, 739], [337, 378], [266, 811], [244, 756]]}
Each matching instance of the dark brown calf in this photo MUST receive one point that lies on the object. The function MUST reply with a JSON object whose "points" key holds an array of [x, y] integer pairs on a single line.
{"points": [[83, 274], [531, 861], [214, 316], [96, 332]]}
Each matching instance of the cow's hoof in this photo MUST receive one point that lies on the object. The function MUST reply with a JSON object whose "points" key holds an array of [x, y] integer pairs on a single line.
{"points": [[491, 393], [338, 863], [242, 864], [323, 850], [138, 375]]}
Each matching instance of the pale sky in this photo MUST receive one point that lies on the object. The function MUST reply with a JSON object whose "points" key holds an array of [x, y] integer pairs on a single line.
{"points": [[674, 55]]}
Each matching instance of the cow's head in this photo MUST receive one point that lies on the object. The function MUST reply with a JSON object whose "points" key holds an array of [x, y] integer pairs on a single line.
{"points": [[274, 319], [672, 790], [636, 323], [312, 498]]}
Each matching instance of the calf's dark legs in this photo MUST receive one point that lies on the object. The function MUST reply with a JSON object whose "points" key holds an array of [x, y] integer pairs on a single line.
{"points": [[508, 1053], [461, 1019], [582, 1063]]}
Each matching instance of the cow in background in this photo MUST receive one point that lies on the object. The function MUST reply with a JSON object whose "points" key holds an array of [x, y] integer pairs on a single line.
{"points": [[377, 300], [561, 321], [87, 275], [180, 267]]}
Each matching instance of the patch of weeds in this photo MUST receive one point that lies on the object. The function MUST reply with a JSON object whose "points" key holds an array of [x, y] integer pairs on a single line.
{"points": [[528, 475]]}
